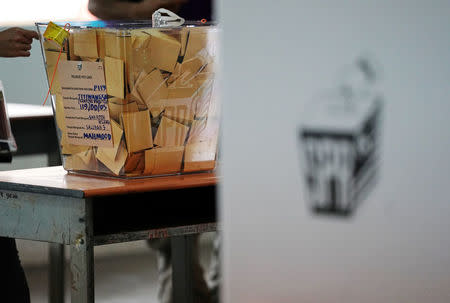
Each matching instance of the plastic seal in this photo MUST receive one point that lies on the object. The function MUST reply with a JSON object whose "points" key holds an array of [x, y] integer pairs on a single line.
{"points": [[56, 33], [165, 18]]}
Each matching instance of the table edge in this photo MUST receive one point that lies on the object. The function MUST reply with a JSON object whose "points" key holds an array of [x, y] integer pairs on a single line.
{"points": [[38, 189], [108, 191], [142, 188]]}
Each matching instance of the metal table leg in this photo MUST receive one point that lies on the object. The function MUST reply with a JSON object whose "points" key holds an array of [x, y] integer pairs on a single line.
{"points": [[182, 271], [82, 272], [82, 256], [56, 273], [56, 253]]}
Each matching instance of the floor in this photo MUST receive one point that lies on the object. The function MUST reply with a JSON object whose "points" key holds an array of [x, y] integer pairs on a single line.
{"points": [[118, 279]]}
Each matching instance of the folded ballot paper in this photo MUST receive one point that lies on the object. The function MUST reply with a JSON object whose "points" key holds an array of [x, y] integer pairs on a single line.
{"points": [[7, 142], [133, 100]]}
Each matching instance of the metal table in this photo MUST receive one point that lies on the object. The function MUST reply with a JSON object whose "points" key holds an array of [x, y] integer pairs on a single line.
{"points": [[48, 204]]}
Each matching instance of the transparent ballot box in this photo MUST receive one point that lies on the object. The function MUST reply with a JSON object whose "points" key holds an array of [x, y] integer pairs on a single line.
{"points": [[132, 100]]}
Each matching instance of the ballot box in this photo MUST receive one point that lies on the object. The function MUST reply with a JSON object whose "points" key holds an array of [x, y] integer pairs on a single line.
{"points": [[132, 100], [341, 154]]}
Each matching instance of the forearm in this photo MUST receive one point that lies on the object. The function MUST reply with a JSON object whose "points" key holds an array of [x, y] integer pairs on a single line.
{"points": [[116, 9], [113, 10]]}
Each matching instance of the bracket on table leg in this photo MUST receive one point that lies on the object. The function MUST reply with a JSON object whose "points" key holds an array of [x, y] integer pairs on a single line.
{"points": [[82, 256]]}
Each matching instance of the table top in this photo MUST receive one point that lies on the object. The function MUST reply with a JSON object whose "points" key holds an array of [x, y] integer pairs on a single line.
{"points": [[56, 181], [17, 111]]}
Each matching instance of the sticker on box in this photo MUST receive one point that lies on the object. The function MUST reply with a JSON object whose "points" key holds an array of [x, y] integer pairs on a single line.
{"points": [[85, 100]]}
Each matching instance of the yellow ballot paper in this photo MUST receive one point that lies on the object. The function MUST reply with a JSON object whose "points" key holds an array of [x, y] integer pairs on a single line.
{"points": [[56, 33], [85, 101]]}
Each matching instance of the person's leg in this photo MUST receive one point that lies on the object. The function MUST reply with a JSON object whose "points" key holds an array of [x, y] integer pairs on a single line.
{"points": [[214, 275], [13, 284], [201, 291], [163, 259]]}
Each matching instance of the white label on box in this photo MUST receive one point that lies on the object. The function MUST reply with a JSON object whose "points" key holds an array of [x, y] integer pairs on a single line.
{"points": [[85, 102]]}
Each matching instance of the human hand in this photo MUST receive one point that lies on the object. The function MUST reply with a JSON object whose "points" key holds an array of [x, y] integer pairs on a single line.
{"points": [[16, 42]]}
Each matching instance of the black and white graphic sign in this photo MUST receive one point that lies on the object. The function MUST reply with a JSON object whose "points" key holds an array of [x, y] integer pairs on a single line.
{"points": [[340, 142]]}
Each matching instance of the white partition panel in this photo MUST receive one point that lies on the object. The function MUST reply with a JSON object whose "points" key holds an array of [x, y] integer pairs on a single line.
{"points": [[336, 151]]}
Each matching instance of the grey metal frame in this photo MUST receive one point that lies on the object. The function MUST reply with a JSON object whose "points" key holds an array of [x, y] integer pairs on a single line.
{"points": [[68, 220], [56, 258]]}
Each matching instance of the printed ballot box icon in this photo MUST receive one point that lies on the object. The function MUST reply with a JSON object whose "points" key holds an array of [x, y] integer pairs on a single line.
{"points": [[340, 145]]}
